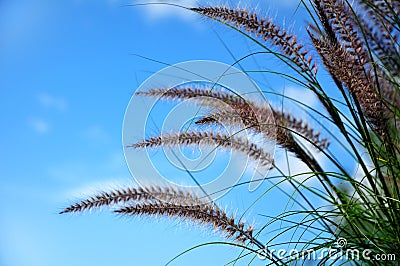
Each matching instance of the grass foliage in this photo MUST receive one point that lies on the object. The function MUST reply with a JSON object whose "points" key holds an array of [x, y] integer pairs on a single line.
{"points": [[356, 43]]}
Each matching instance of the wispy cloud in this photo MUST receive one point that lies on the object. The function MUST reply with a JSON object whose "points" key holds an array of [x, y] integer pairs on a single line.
{"points": [[162, 8], [39, 125], [306, 97], [96, 134], [287, 3], [24, 245], [21, 22], [159, 9], [52, 102], [95, 187]]}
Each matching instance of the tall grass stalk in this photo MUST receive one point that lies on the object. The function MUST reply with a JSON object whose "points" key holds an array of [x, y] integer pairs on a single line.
{"points": [[356, 43]]}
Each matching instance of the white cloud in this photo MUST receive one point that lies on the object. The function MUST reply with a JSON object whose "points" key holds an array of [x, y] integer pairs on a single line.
{"points": [[305, 96], [82, 170], [52, 102], [24, 245], [297, 169], [39, 125], [157, 9], [95, 187], [290, 165], [96, 134], [163, 8], [287, 3], [21, 21]]}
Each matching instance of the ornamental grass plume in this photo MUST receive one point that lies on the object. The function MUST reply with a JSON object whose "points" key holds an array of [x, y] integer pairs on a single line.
{"points": [[208, 138], [264, 29], [194, 210], [129, 195], [355, 45]]}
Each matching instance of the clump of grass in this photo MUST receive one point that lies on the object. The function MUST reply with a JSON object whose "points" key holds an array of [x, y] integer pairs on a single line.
{"points": [[357, 45]]}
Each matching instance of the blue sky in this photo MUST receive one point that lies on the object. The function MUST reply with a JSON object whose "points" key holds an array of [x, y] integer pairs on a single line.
{"points": [[68, 71]]}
